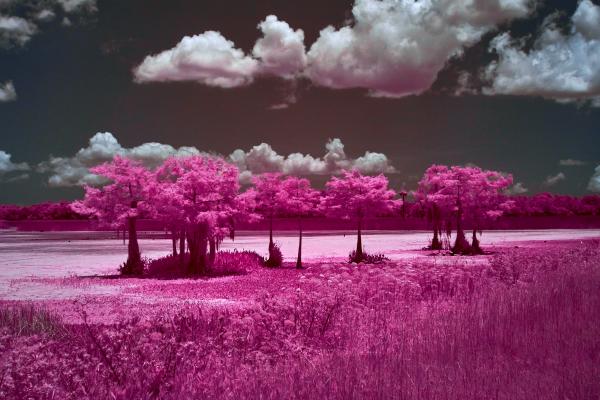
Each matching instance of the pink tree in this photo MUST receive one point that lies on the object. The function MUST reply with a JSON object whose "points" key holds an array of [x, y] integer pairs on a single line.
{"points": [[435, 201], [267, 187], [206, 190], [357, 196], [120, 201], [296, 197], [167, 208], [464, 190]]}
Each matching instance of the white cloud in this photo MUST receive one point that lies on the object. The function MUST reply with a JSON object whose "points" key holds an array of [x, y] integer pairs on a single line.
{"points": [[397, 47], [563, 67], [45, 15], [6, 164], [518, 188], [7, 92], [17, 27], [102, 147], [373, 163], [281, 50], [207, 58], [72, 6], [569, 162], [552, 180], [262, 158], [391, 47], [15, 31], [594, 184]]}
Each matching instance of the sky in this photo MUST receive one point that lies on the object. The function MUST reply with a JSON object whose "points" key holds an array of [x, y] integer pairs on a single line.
{"points": [[307, 88]]}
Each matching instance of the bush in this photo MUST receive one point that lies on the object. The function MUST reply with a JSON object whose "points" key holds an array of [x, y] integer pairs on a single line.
{"points": [[226, 263], [132, 268], [275, 257], [367, 258], [236, 262]]}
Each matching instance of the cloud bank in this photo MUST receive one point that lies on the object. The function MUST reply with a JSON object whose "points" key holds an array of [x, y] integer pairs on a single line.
{"points": [[392, 48], [263, 158], [103, 146]]}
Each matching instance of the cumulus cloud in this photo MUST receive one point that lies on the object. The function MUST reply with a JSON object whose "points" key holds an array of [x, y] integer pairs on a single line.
{"points": [[518, 188], [281, 50], [396, 48], [391, 47], [263, 158], [15, 31], [563, 67], [71, 6], [7, 92], [594, 184], [6, 164], [211, 59], [102, 147], [8, 168], [569, 162], [552, 180], [207, 58], [18, 18]]}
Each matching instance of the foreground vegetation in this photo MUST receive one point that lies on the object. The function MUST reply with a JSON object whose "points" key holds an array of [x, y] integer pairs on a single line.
{"points": [[526, 326]]}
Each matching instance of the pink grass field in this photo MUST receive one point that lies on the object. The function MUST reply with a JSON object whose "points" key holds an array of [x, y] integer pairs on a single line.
{"points": [[520, 323]]}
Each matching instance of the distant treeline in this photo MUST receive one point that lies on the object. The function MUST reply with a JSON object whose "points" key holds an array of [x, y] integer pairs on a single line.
{"points": [[543, 204]]}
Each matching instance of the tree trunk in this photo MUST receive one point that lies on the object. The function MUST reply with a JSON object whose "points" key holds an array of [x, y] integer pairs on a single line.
{"points": [[174, 242], [197, 242], [475, 247], [212, 251], [359, 246], [271, 238], [133, 265], [436, 243], [461, 245], [299, 259], [182, 248]]}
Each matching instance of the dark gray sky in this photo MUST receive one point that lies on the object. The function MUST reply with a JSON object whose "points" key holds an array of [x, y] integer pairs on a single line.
{"points": [[74, 81]]}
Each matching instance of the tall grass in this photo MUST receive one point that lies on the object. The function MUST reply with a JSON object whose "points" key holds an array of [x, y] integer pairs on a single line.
{"points": [[362, 333], [28, 319]]}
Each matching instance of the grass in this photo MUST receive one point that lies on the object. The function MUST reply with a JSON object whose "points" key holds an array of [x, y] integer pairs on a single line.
{"points": [[526, 327], [28, 319]]}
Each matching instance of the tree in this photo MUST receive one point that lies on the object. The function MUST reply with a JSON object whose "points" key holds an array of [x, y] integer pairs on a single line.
{"points": [[464, 192], [120, 201], [206, 190], [437, 203], [357, 196], [296, 197], [267, 186]]}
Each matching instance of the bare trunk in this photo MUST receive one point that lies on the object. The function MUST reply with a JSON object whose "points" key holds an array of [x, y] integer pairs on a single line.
{"points": [[181, 248], [212, 251], [133, 265], [174, 242], [197, 242], [299, 259], [475, 246], [461, 245], [436, 243], [359, 246]]}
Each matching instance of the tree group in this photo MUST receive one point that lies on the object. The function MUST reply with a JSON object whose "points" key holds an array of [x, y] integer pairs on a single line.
{"points": [[198, 200]]}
